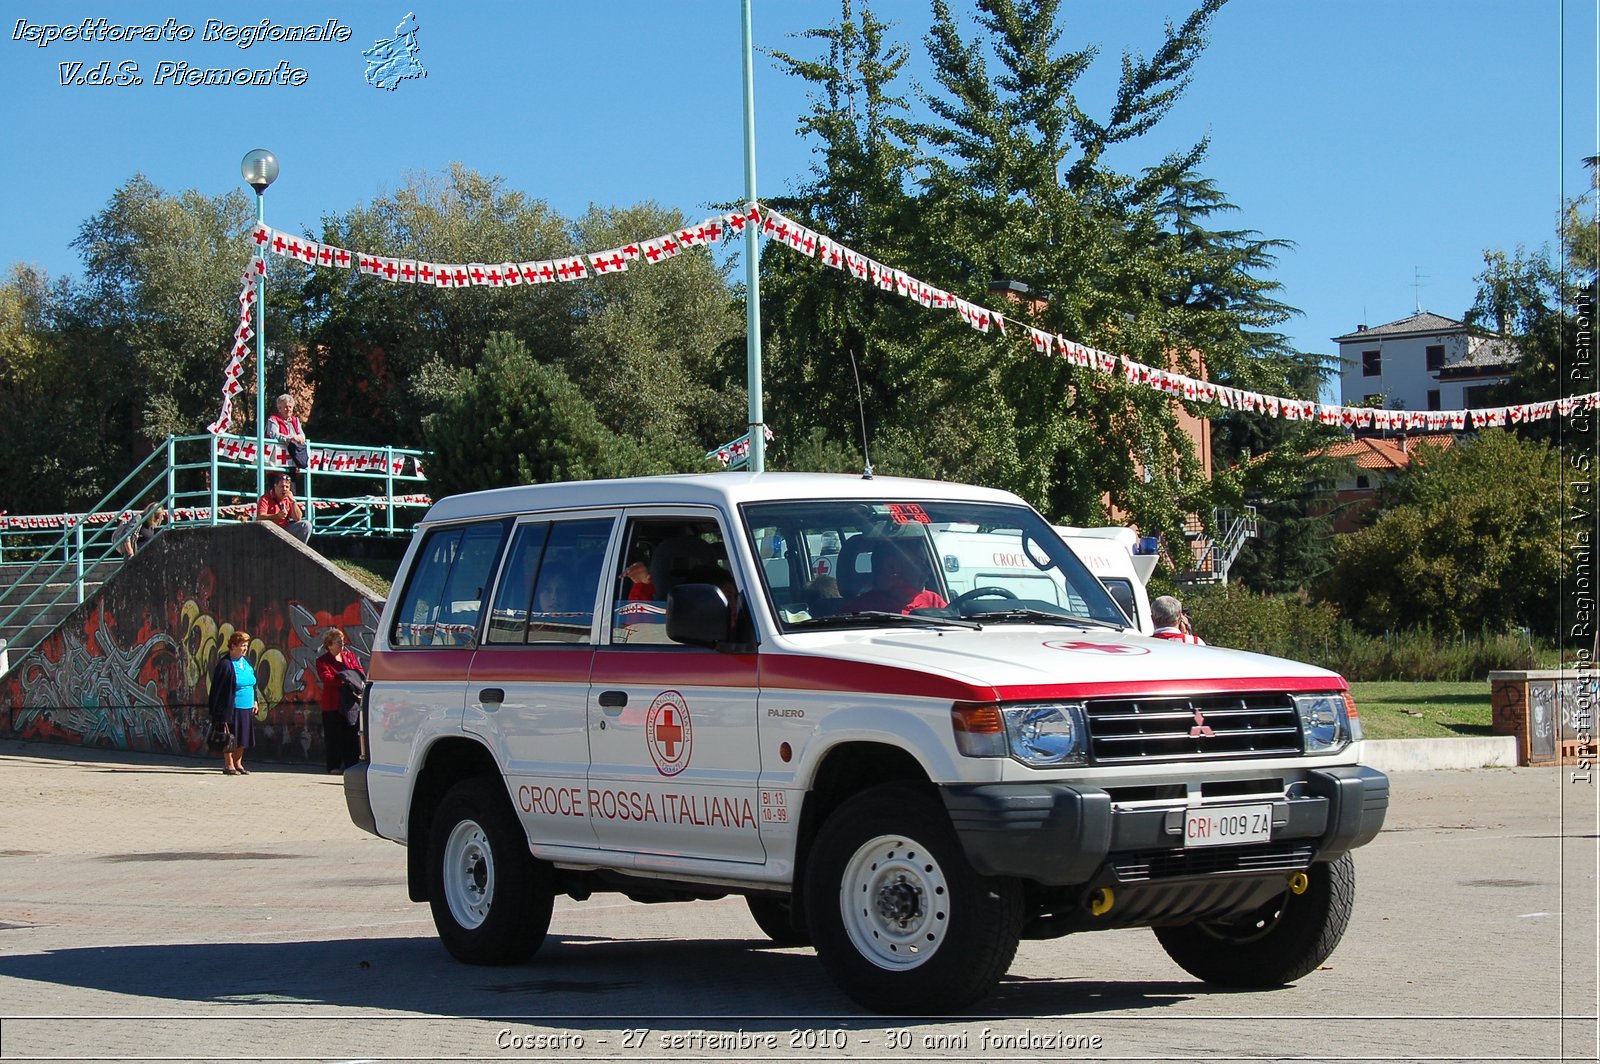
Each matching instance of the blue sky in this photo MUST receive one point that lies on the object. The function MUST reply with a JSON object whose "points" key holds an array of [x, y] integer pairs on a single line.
{"points": [[1382, 138]]}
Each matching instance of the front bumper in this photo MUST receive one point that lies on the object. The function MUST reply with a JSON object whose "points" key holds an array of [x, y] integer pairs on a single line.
{"points": [[1065, 834]]}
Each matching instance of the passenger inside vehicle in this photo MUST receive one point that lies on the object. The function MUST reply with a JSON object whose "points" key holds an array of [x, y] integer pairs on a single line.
{"points": [[899, 582]]}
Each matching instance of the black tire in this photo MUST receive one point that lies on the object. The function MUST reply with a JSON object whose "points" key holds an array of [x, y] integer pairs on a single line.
{"points": [[1278, 943], [776, 920], [902, 922], [491, 899]]}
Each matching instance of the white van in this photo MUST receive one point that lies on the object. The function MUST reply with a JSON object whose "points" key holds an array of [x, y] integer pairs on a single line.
{"points": [[908, 766], [1111, 553]]}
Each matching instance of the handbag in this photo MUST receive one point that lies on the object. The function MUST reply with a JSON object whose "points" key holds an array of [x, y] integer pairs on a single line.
{"points": [[220, 738]]}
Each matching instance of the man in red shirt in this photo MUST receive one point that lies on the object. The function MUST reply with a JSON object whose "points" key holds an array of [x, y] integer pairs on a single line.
{"points": [[897, 586], [279, 506]]}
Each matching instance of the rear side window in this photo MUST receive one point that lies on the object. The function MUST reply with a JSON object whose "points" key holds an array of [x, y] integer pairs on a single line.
{"points": [[443, 600], [548, 592]]}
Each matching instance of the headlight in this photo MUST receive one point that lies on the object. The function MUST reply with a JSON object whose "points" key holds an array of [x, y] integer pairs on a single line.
{"points": [[1325, 721], [1046, 734], [1042, 735]]}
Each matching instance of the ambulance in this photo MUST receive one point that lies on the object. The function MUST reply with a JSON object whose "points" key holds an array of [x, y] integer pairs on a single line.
{"points": [[648, 687]]}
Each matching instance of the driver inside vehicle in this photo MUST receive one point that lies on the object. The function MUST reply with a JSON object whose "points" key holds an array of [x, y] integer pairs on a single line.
{"points": [[899, 585]]}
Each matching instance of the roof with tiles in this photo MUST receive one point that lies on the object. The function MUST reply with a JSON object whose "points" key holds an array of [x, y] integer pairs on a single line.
{"points": [[1384, 453], [1422, 323]]}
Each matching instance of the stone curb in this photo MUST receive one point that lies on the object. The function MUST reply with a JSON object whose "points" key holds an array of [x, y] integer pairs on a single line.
{"points": [[1403, 755]]}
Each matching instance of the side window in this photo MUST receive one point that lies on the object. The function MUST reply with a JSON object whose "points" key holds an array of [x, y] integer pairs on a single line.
{"points": [[569, 582], [1122, 591], [658, 555], [443, 600], [508, 623], [773, 549]]}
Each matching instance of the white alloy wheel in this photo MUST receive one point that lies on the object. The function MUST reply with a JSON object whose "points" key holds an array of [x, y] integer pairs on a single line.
{"points": [[469, 874], [895, 902]]}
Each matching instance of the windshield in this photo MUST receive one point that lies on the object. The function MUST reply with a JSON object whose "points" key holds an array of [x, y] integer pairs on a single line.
{"points": [[835, 563]]}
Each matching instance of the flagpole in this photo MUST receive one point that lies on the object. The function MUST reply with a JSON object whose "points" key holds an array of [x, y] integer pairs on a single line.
{"points": [[752, 272]]}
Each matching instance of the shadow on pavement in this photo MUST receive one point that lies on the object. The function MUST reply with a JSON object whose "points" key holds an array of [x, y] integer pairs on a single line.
{"points": [[572, 977]]}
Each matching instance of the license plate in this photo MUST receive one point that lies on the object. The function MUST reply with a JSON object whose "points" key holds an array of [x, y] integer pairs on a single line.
{"points": [[1230, 826]]}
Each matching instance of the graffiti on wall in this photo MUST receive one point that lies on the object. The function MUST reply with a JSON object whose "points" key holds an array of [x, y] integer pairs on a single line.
{"points": [[131, 668], [99, 692]]}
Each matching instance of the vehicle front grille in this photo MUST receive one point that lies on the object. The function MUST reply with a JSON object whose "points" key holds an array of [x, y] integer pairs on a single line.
{"points": [[1212, 861], [1201, 728]]}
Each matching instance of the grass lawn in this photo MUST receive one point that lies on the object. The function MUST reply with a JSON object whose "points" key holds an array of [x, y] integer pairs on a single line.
{"points": [[376, 573], [1405, 710]]}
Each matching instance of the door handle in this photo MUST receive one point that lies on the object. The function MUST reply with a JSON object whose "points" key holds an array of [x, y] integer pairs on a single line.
{"points": [[492, 696], [613, 700]]}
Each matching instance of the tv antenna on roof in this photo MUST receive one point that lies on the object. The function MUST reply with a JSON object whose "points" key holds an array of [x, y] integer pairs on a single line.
{"points": [[1417, 286]]}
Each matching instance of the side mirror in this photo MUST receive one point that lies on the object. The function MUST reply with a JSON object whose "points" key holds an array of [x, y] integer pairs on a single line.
{"points": [[697, 615]]}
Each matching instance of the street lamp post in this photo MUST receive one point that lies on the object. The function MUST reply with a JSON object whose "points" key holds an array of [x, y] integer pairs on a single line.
{"points": [[752, 263], [260, 169]]}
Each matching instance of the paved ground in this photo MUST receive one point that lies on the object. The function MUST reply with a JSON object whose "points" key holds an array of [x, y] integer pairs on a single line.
{"points": [[153, 909]]}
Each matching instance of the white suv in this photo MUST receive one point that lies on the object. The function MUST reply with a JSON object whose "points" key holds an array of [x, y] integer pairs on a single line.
{"points": [[908, 777]]}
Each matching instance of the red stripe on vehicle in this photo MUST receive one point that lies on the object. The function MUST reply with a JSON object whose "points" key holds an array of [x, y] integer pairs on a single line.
{"points": [[671, 668], [521, 664], [796, 673], [416, 666], [1166, 688]]}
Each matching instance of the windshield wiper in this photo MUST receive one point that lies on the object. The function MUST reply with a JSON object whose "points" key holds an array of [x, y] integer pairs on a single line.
{"points": [[844, 620], [1026, 614]]}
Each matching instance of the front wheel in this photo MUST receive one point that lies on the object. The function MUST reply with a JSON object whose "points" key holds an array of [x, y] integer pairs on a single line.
{"points": [[1278, 943], [491, 899], [900, 919]]}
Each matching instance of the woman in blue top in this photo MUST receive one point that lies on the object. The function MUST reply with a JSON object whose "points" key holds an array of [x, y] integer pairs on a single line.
{"points": [[233, 703]]}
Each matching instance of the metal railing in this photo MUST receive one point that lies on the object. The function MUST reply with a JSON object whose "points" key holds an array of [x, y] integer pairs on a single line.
{"points": [[350, 490]]}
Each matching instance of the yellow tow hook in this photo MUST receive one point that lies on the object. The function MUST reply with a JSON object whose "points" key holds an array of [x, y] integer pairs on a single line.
{"points": [[1101, 901], [1298, 883]]}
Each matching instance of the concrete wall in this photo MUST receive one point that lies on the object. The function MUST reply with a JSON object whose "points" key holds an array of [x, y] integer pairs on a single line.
{"points": [[130, 668]]}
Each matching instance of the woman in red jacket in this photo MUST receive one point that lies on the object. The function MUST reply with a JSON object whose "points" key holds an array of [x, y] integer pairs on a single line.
{"points": [[340, 734]]}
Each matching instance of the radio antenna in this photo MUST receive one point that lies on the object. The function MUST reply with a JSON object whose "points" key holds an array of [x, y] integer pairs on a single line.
{"points": [[861, 406]]}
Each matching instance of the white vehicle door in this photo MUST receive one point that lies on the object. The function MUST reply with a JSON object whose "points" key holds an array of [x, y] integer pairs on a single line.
{"points": [[529, 689], [675, 760], [430, 639]]}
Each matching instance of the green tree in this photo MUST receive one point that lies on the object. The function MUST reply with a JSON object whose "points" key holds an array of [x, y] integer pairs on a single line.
{"points": [[1469, 538], [658, 346], [1008, 178], [158, 301], [60, 430], [513, 420], [382, 352], [1534, 299]]}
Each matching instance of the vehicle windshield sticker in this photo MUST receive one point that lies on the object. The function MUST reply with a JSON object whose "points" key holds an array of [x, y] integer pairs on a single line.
{"points": [[1081, 646], [906, 513], [668, 733]]}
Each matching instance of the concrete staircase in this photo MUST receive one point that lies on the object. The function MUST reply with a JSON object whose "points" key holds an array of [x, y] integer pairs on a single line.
{"points": [[39, 617]]}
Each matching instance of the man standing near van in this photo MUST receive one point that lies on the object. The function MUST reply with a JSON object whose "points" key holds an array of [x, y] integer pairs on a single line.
{"points": [[1172, 622]]}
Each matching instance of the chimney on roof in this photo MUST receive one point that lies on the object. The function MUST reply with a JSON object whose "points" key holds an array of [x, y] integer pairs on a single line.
{"points": [[1361, 328], [1503, 319], [1400, 442]]}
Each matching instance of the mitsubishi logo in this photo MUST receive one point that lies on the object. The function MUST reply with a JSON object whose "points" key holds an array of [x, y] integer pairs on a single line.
{"points": [[1201, 729]]}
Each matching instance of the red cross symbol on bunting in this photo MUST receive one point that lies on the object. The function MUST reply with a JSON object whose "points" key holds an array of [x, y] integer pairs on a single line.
{"points": [[668, 733]]}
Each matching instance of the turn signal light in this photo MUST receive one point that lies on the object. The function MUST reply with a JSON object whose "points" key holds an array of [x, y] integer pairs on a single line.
{"points": [[980, 729]]}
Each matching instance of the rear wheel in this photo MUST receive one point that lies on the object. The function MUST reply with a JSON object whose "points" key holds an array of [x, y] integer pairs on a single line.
{"points": [[491, 899], [1278, 943], [900, 919], [776, 920]]}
